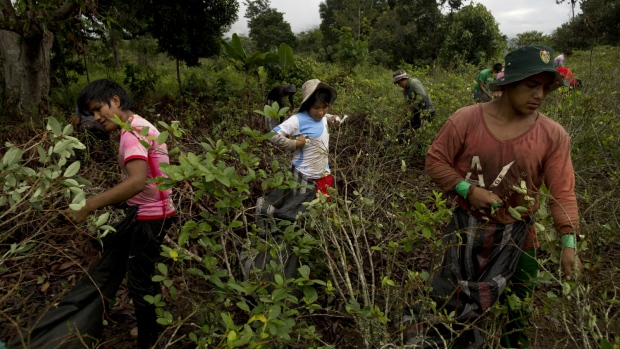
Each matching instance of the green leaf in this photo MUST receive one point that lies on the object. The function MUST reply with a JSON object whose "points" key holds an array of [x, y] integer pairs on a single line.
{"points": [[54, 126], [42, 153], [67, 130], [107, 227], [254, 60], [72, 170], [161, 139], [304, 271], [514, 213], [162, 268], [286, 58], [310, 294], [12, 156], [243, 306], [76, 207], [79, 197], [183, 238], [235, 224], [236, 45], [102, 219], [144, 131], [426, 232], [223, 179], [605, 344], [234, 50]]}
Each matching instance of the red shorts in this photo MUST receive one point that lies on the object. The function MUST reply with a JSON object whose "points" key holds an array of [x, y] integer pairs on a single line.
{"points": [[323, 183]]}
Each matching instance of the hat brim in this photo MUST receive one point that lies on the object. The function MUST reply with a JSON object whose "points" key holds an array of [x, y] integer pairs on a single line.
{"points": [[402, 77], [496, 85], [320, 85]]}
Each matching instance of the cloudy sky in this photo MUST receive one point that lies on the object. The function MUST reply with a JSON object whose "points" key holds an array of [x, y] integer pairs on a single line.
{"points": [[514, 17]]}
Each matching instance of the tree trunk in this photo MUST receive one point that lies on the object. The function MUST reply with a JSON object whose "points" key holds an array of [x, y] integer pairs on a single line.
{"points": [[114, 38], [26, 68], [179, 75]]}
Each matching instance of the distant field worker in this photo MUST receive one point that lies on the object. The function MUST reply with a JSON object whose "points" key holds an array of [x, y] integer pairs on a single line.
{"points": [[277, 94], [569, 77], [560, 60], [496, 157], [420, 105], [482, 94]]}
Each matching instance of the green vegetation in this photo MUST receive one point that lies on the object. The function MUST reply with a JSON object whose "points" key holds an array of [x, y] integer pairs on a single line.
{"points": [[365, 253]]}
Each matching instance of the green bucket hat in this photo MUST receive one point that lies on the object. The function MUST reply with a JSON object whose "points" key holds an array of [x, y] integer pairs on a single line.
{"points": [[527, 61]]}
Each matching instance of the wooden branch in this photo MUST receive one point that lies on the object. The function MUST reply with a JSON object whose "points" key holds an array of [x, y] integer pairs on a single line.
{"points": [[65, 10], [13, 26]]}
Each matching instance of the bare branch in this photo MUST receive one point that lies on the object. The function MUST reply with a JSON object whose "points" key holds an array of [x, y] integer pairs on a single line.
{"points": [[65, 10]]}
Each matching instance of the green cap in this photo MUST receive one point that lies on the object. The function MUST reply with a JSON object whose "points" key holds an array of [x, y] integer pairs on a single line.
{"points": [[527, 61]]}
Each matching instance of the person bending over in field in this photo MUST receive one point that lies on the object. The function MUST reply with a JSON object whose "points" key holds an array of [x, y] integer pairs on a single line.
{"points": [[496, 157], [482, 94], [569, 77], [420, 105], [150, 209], [277, 94], [560, 61]]}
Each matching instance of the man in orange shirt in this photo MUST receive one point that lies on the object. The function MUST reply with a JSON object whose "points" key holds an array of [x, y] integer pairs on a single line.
{"points": [[496, 156]]}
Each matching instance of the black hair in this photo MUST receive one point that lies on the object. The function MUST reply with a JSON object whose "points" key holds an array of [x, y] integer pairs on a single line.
{"points": [[321, 95], [568, 52], [102, 90], [497, 67]]}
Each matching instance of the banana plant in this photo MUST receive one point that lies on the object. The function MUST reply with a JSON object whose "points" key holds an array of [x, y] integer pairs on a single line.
{"points": [[283, 56]]}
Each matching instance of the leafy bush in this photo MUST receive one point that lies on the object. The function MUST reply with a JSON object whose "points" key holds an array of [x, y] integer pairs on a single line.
{"points": [[140, 79]]}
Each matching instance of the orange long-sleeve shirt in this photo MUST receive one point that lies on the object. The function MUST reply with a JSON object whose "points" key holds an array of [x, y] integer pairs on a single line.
{"points": [[465, 149]]}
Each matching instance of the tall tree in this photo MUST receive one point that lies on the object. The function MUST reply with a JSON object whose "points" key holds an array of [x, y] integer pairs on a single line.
{"points": [[572, 3], [269, 29], [409, 32], [191, 29], [256, 7], [531, 37], [310, 41], [598, 24], [358, 15], [27, 31], [473, 36]]}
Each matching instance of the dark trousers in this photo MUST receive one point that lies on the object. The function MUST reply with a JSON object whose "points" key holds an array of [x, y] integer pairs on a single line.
{"points": [[419, 114], [143, 250], [515, 330], [132, 249]]}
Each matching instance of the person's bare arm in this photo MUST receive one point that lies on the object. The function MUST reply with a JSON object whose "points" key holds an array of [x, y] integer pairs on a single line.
{"points": [[287, 143], [481, 86], [290, 100], [133, 185]]}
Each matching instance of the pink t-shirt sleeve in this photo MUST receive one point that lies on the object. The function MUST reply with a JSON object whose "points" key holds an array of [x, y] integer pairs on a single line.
{"points": [[132, 148]]}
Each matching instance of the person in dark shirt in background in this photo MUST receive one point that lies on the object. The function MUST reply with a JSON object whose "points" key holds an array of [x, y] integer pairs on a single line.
{"points": [[277, 95]]}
